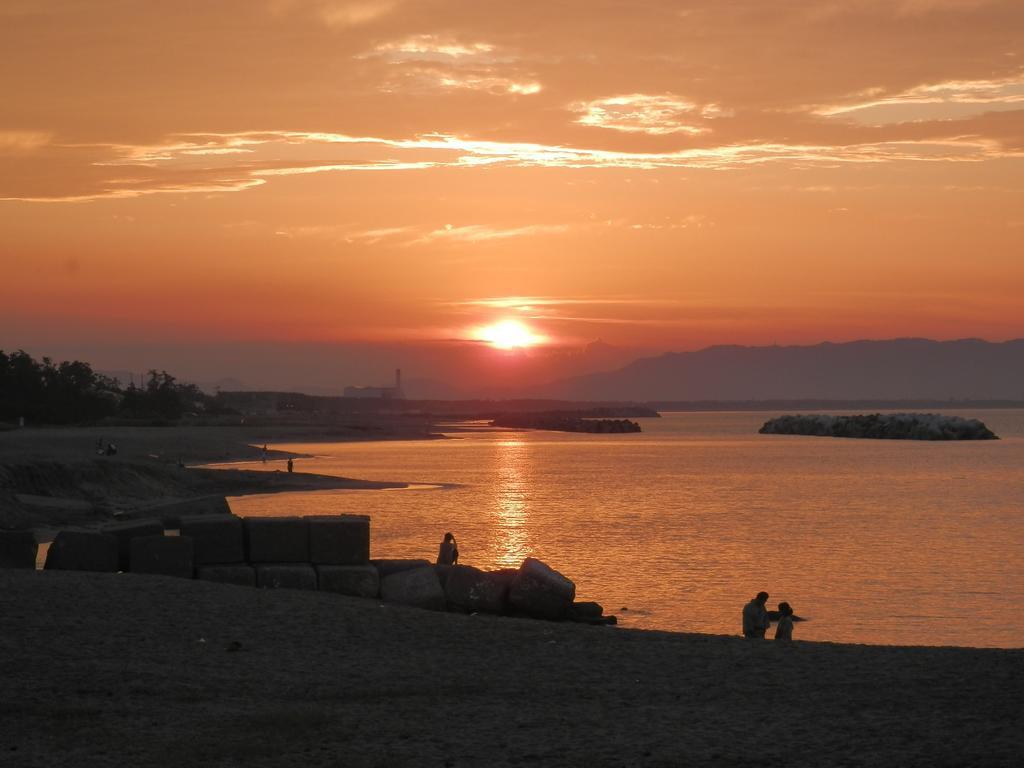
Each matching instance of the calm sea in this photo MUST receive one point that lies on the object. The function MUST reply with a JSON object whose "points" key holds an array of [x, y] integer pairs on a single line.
{"points": [[890, 542]]}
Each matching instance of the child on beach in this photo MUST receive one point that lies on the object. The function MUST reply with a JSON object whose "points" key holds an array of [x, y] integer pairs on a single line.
{"points": [[784, 629], [448, 553]]}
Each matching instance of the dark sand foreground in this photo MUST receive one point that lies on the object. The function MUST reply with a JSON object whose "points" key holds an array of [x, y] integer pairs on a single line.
{"points": [[123, 670]]}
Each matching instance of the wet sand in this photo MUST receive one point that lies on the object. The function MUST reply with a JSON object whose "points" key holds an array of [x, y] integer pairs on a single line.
{"points": [[116, 670]]}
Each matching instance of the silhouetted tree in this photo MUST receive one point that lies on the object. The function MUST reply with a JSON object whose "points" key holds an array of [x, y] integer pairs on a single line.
{"points": [[71, 392], [55, 394]]}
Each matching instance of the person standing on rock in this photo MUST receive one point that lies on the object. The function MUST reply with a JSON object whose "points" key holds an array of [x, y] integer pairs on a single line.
{"points": [[755, 617], [448, 554]]}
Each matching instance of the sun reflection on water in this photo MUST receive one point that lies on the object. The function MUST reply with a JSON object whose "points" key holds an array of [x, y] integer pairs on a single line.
{"points": [[511, 509]]}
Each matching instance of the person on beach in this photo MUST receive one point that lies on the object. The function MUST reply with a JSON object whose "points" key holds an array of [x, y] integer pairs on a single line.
{"points": [[784, 629], [755, 617], [291, 465], [448, 554]]}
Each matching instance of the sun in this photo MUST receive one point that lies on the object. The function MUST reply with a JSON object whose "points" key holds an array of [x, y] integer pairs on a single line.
{"points": [[508, 334]]}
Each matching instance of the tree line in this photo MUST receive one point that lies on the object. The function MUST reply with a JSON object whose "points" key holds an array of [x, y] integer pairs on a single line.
{"points": [[70, 392]]}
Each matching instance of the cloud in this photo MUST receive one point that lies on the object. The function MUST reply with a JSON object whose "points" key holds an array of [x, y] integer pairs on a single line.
{"points": [[476, 233], [409, 235], [19, 142], [190, 163], [339, 14], [952, 99], [642, 113], [420, 47], [531, 302], [342, 233], [490, 83], [612, 310], [425, 61], [693, 221]]}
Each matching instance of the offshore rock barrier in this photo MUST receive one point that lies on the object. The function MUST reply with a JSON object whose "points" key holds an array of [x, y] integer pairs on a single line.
{"points": [[330, 553], [890, 426], [564, 423]]}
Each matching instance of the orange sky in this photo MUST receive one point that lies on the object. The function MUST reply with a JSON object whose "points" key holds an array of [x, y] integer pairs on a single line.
{"points": [[664, 175]]}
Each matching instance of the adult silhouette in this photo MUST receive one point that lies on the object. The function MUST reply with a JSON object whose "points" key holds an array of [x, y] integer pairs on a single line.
{"points": [[755, 617]]}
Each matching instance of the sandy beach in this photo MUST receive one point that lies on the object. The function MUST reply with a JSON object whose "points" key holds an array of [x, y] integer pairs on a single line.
{"points": [[116, 670]]}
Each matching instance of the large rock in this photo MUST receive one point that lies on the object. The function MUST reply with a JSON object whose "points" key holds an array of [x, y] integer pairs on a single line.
{"points": [[388, 567], [339, 539], [471, 589], [83, 551], [242, 574], [285, 576], [163, 556], [589, 613], [585, 611], [276, 540], [172, 512], [125, 531], [355, 580], [418, 587], [540, 591], [218, 539], [18, 549], [442, 570]]}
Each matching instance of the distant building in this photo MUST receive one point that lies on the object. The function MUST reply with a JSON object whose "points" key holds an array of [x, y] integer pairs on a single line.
{"points": [[379, 393]]}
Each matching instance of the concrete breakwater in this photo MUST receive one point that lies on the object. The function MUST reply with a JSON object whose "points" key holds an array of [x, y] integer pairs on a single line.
{"points": [[329, 553], [890, 426]]}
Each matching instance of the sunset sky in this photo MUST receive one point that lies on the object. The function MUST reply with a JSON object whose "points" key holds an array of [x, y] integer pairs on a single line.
{"points": [[659, 175]]}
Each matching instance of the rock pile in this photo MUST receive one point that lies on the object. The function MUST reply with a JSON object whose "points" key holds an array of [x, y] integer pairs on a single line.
{"points": [[564, 423], [890, 426]]}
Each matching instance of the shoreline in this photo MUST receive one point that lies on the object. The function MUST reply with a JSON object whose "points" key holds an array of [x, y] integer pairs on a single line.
{"points": [[282, 678], [53, 477]]}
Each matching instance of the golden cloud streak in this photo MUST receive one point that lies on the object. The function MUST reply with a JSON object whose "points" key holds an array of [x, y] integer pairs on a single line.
{"points": [[953, 95], [234, 162]]}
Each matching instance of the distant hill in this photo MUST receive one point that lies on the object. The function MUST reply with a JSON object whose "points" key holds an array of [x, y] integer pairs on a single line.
{"points": [[897, 369]]}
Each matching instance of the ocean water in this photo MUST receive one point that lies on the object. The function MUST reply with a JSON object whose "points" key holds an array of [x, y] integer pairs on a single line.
{"points": [[884, 542]]}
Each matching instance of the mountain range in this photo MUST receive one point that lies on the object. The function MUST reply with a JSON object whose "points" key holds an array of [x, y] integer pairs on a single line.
{"points": [[896, 369]]}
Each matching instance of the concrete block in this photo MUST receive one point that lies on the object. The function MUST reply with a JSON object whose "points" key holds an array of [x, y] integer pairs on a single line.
{"points": [[540, 591], [286, 576], [355, 580], [242, 574], [276, 540], [172, 512], [471, 589], [162, 555], [387, 567], [339, 539], [18, 549], [218, 539], [83, 551], [418, 587], [128, 530]]}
